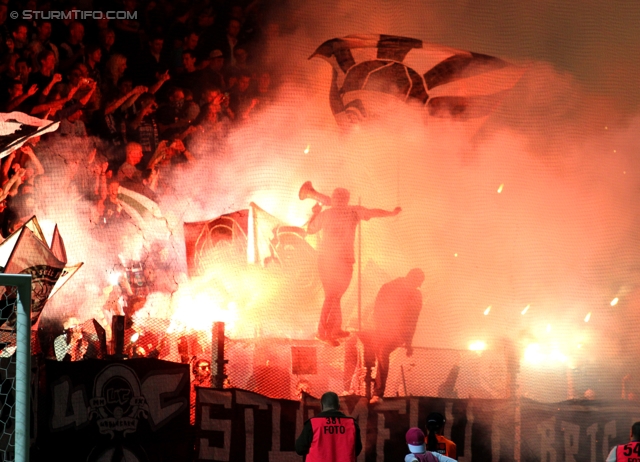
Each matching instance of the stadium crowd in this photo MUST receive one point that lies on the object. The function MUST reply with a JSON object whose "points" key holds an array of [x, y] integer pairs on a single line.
{"points": [[133, 96]]}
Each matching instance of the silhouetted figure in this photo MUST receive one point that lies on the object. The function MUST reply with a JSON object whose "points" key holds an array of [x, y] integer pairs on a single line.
{"points": [[395, 316], [435, 439], [336, 256]]}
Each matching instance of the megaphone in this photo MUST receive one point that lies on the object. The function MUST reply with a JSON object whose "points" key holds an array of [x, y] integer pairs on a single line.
{"points": [[307, 192]]}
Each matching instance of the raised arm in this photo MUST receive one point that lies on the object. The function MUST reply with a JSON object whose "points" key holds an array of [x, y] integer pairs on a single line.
{"points": [[14, 103], [8, 186], [125, 101], [46, 90], [39, 169], [161, 80], [366, 214], [315, 224], [6, 166]]}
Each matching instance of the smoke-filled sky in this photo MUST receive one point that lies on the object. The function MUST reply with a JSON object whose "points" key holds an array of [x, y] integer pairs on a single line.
{"points": [[561, 236]]}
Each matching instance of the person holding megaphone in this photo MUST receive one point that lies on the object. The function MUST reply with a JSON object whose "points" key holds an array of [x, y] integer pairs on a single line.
{"points": [[335, 251]]}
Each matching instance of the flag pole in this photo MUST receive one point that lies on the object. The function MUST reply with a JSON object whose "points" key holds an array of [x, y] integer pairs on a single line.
{"points": [[360, 270]]}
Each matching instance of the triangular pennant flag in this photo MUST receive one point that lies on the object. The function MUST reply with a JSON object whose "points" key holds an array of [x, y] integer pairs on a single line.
{"points": [[67, 273], [57, 246], [32, 256], [7, 246]]}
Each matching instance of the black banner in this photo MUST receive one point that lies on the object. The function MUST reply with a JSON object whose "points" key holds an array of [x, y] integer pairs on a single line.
{"points": [[574, 431], [135, 410], [241, 426]]}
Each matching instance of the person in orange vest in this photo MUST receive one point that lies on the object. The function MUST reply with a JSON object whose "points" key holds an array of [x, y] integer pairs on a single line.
{"points": [[629, 452], [435, 440], [330, 436]]}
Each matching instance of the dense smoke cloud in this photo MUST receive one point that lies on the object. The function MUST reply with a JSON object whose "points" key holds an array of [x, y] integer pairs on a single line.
{"points": [[534, 206]]}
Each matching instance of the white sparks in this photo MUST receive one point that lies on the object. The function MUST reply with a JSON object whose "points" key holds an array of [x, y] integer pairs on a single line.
{"points": [[526, 308], [486, 312], [614, 302], [587, 317], [500, 188], [306, 150]]}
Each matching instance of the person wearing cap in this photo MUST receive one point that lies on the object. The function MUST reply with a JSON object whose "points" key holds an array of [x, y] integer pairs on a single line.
{"points": [[330, 436], [629, 452], [212, 76], [418, 450], [435, 439]]}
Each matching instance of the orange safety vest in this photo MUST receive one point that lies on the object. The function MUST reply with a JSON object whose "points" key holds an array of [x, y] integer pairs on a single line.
{"points": [[629, 452], [445, 447], [334, 440]]}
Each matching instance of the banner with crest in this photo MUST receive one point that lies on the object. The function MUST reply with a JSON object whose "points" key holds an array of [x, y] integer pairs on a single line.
{"points": [[135, 410]]}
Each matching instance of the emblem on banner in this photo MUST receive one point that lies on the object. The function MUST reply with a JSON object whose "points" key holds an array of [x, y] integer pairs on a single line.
{"points": [[117, 400]]}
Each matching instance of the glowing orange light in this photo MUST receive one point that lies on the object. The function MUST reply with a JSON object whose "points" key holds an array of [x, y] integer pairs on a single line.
{"points": [[532, 354], [537, 354], [114, 278], [526, 308], [478, 345], [486, 312]]}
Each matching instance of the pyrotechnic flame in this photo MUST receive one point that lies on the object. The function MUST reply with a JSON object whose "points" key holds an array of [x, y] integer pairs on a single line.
{"points": [[587, 317], [114, 278], [306, 150], [532, 354], [478, 345], [500, 188], [557, 355], [135, 337], [537, 354], [486, 312], [526, 308], [614, 302], [197, 308]]}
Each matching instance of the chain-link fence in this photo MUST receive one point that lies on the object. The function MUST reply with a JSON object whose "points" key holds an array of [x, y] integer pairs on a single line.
{"points": [[15, 352]]}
